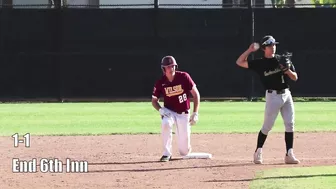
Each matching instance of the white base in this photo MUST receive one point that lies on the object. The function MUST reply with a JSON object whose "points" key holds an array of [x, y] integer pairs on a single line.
{"points": [[198, 155]]}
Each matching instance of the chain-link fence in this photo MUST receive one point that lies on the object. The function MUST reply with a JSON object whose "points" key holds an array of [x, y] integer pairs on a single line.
{"points": [[296, 4], [147, 4], [124, 3]]}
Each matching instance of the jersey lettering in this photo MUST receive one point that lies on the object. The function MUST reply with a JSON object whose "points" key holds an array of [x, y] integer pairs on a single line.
{"points": [[173, 91], [272, 72]]}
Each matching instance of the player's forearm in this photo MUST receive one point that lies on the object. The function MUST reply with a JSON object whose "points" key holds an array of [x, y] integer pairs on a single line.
{"points": [[196, 99], [156, 105], [292, 75]]}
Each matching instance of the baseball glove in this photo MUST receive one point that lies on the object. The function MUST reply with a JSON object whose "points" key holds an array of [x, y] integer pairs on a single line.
{"points": [[284, 61]]}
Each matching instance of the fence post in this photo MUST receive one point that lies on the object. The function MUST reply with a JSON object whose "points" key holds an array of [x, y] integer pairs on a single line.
{"points": [[156, 4], [57, 26], [250, 4]]}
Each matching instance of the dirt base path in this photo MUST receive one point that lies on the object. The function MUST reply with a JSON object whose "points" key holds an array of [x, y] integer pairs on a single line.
{"points": [[131, 161]]}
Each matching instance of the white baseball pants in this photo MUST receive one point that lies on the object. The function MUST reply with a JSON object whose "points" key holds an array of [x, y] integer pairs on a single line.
{"points": [[183, 131]]}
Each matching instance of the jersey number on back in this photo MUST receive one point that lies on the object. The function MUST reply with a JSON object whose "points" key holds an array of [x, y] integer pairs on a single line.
{"points": [[182, 98], [282, 79]]}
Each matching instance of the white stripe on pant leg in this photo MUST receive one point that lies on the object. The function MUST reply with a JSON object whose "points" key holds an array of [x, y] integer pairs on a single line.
{"points": [[183, 130], [167, 135]]}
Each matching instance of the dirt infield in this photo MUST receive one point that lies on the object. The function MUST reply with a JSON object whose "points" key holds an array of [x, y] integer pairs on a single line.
{"points": [[131, 161]]}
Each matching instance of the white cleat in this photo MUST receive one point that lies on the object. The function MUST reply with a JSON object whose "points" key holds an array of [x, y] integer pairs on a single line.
{"points": [[258, 156], [290, 158]]}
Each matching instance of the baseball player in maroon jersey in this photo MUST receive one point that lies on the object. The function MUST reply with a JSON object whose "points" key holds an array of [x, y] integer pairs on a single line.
{"points": [[175, 87]]}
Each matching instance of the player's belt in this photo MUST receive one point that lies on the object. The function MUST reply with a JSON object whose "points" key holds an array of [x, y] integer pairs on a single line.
{"points": [[185, 112], [282, 91]]}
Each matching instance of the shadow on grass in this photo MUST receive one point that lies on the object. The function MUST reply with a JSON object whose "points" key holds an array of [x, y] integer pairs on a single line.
{"points": [[268, 178]]}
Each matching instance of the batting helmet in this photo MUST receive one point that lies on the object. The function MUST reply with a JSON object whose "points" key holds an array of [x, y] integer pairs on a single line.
{"points": [[168, 61]]}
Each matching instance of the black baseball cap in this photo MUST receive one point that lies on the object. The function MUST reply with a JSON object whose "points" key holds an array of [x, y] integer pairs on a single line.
{"points": [[268, 40]]}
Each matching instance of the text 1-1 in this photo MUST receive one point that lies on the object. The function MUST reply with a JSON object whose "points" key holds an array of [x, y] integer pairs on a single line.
{"points": [[25, 140]]}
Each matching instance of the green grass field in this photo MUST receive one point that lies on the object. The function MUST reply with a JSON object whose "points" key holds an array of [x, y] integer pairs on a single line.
{"points": [[215, 117], [117, 118], [296, 178]]}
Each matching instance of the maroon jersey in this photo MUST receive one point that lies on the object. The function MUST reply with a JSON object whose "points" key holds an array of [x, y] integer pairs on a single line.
{"points": [[176, 94]]}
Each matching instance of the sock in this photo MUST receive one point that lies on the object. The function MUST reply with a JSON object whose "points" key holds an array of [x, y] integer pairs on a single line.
{"points": [[289, 137], [261, 140]]}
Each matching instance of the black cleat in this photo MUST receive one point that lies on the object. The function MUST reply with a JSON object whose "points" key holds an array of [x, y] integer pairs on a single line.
{"points": [[165, 158]]}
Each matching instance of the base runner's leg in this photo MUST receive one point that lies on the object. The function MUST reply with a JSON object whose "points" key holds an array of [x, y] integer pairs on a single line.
{"points": [[167, 135], [183, 131]]}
